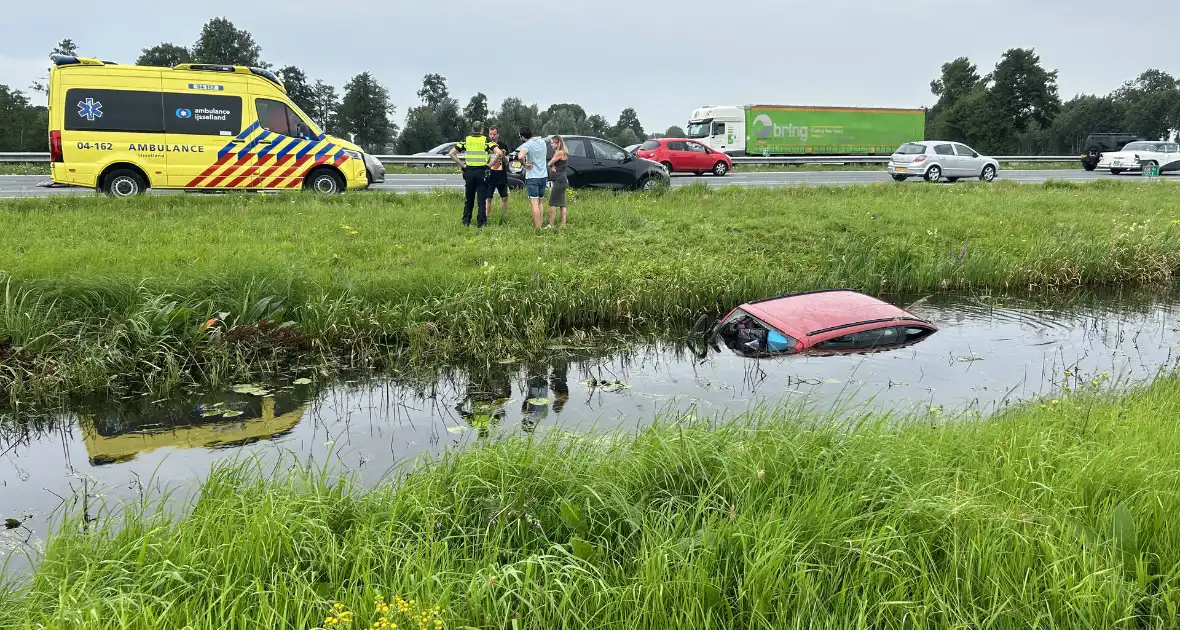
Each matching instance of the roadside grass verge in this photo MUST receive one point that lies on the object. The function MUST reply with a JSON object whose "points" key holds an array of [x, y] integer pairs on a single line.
{"points": [[41, 168], [160, 292], [1052, 515]]}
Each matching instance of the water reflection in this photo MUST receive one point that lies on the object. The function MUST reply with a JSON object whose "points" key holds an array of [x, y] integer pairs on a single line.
{"points": [[119, 435], [988, 352]]}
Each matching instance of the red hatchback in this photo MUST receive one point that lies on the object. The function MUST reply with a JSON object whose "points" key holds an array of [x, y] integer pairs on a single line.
{"points": [[837, 321], [680, 155]]}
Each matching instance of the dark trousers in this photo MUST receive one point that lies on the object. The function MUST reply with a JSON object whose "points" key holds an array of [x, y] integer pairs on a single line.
{"points": [[477, 191]]}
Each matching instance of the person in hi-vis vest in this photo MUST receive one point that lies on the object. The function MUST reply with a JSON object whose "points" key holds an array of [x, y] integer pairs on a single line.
{"points": [[478, 151]]}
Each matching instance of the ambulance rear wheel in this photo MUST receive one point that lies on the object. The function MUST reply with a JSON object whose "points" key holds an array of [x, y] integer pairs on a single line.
{"points": [[124, 183], [325, 182]]}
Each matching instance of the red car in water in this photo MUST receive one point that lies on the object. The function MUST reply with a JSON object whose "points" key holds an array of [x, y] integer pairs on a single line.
{"points": [[837, 321], [681, 155]]}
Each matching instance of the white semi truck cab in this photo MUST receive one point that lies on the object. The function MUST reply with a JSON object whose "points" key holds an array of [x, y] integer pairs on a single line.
{"points": [[719, 127]]}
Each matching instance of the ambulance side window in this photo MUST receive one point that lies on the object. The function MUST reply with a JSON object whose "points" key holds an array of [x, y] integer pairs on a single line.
{"points": [[276, 117]]}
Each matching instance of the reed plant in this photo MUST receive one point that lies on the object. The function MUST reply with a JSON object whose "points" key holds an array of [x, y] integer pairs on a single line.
{"points": [[1056, 514]]}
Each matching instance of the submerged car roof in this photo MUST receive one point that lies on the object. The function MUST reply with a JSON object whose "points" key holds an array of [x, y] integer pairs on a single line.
{"points": [[813, 312]]}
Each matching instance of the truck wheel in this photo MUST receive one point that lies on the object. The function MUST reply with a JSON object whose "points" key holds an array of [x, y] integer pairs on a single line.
{"points": [[325, 182], [899, 178], [934, 173], [1088, 165], [1116, 171], [124, 183], [720, 169]]}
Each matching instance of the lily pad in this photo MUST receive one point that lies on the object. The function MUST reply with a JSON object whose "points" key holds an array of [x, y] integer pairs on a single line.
{"points": [[212, 413], [301, 381], [456, 429], [250, 390], [232, 413], [538, 401]]}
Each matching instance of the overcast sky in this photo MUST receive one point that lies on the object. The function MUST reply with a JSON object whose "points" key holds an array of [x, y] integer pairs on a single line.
{"points": [[662, 57]]}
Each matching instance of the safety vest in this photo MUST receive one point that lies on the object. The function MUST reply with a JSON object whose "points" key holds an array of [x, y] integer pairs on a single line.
{"points": [[476, 151]]}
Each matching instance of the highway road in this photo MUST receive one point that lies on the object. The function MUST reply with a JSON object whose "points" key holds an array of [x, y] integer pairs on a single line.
{"points": [[28, 185]]}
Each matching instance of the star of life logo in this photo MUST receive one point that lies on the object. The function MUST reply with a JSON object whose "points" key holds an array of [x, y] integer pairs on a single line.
{"points": [[90, 109]]}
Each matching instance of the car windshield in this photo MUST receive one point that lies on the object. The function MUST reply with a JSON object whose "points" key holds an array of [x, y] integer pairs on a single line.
{"points": [[749, 336], [1142, 146], [700, 129], [911, 148], [650, 145]]}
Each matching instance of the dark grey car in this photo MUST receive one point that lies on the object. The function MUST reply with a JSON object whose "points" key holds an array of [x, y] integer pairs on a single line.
{"points": [[598, 163]]}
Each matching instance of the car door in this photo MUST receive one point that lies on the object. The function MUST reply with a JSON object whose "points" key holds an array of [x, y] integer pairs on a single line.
{"points": [[1170, 161], [700, 158], [970, 164], [208, 125], [580, 164], [290, 143], [609, 169], [944, 155], [677, 155]]}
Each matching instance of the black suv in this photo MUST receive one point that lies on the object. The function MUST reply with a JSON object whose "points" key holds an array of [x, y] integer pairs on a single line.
{"points": [[1099, 143], [598, 163]]}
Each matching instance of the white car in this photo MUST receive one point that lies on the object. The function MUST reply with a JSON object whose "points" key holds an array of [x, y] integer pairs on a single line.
{"points": [[933, 160], [1138, 155]]}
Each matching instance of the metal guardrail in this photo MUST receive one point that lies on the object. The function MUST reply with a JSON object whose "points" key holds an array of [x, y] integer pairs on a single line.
{"points": [[21, 158], [442, 160]]}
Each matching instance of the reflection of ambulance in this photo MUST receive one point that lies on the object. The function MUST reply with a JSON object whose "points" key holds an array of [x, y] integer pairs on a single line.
{"points": [[123, 129], [107, 442]]}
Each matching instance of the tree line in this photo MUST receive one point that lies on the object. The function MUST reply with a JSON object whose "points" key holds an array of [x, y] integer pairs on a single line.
{"points": [[362, 113], [1016, 110]]}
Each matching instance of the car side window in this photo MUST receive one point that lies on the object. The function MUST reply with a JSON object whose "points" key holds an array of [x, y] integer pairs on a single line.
{"points": [[944, 149], [677, 146], [696, 147], [964, 150], [576, 148], [605, 151], [276, 117], [864, 340], [916, 333]]}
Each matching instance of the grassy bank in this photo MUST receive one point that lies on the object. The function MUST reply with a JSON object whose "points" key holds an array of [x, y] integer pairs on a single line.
{"points": [[400, 169], [159, 292], [1056, 515]]}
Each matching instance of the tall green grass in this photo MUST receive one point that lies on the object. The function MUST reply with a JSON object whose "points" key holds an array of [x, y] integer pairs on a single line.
{"points": [[158, 292], [1055, 515]]}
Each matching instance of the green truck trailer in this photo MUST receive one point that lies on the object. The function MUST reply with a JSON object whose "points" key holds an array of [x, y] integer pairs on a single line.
{"points": [[795, 130]]}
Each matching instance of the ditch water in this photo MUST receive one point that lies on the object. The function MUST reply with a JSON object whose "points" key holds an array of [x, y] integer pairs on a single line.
{"points": [[990, 351]]}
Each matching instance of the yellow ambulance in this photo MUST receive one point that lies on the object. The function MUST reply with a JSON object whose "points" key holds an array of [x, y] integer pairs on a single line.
{"points": [[194, 127]]}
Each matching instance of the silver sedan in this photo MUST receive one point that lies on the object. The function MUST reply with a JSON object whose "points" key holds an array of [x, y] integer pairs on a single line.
{"points": [[933, 160]]}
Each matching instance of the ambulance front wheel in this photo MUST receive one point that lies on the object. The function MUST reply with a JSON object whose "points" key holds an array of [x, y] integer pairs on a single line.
{"points": [[124, 183], [325, 182]]}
